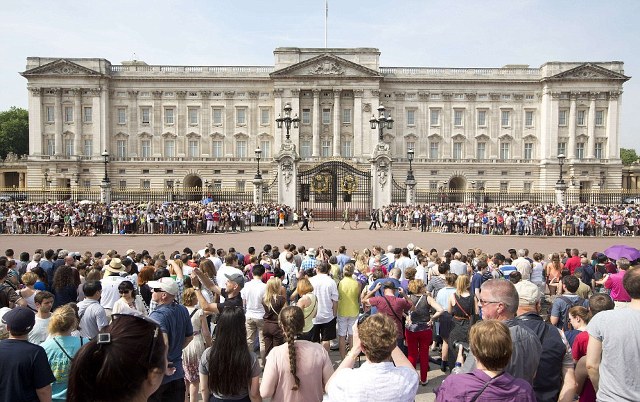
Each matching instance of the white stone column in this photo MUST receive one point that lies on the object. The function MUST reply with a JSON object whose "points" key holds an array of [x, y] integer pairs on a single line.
{"points": [[59, 119], [357, 122], [132, 122], [79, 121], [571, 146], [180, 123], [105, 123], [287, 173], [381, 178], [279, 132], [205, 123], [337, 121], [612, 126], [99, 116], [257, 191], [591, 127], [315, 123], [35, 122]]}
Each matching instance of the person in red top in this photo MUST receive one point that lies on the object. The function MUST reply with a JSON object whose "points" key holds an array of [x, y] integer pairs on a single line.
{"points": [[614, 282], [573, 262], [597, 303], [391, 306]]}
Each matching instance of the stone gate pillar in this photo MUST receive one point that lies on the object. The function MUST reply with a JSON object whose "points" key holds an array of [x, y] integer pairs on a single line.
{"points": [[411, 191], [381, 176], [257, 191], [287, 160], [105, 192]]}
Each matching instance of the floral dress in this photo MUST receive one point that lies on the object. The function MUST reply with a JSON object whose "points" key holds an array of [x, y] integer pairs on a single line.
{"points": [[193, 352]]}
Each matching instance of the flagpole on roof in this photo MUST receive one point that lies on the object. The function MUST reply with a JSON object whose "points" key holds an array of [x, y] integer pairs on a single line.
{"points": [[326, 17]]}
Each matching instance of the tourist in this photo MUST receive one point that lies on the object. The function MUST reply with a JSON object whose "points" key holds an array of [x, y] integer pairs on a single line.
{"points": [[308, 302], [129, 302], [272, 302], [462, 307], [44, 304], [348, 307], [192, 353]]}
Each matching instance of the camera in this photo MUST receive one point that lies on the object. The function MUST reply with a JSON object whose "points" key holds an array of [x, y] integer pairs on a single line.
{"points": [[465, 346]]}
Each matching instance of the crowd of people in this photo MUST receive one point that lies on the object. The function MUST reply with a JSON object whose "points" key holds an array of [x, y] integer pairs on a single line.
{"points": [[228, 325], [520, 219], [89, 219]]}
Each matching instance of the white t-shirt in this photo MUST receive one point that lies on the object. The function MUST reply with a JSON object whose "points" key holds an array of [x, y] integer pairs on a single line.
{"points": [[403, 263], [326, 291], [110, 292], [252, 294], [39, 332], [222, 279]]}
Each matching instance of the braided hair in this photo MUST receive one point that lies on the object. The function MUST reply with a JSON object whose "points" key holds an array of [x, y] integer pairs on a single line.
{"points": [[292, 323]]}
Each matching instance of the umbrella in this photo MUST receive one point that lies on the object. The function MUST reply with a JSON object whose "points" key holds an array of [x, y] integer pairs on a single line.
{"points": [[205, 201], [524, 203], [620, 250], [85, 202]]}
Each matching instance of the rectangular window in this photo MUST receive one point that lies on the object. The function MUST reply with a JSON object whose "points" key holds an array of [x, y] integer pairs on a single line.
{"points": [[241, 116], [528, 118], [146, 184], [193, 115], [434, 150], [122, 184], [264, 116], [599, 117], [51, 146], [457, 118], [347, 148], [527, 186], [562, 148], [580, 117], [169, 148], [562, 117], [505, 118], [86, 183], [241, 149], [306, 116], [217, 116], [457, 150], [216, 149], [68, 114], [435, 117], [217, 185], [87, 114], [194, 148], [305, 148], [504, 186], [326, 116], [482, 118], [88, 147], [122, 115], [481, 150], [121, 148], [145, 146], [580, 150], [411, 145], [50, 113], [346, 116], [326, 148], [505, 147], [240, 184], [168, 115], [411, 117], [145, 115], [265, 146], [528, 150], [67, 144], [598, 150]]}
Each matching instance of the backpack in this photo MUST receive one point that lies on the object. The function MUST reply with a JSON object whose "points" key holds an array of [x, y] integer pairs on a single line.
{"points": [[579, 302], [4, 296]]}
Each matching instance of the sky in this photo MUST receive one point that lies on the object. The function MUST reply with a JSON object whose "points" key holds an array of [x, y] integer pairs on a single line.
{"points": [[429, 33]]}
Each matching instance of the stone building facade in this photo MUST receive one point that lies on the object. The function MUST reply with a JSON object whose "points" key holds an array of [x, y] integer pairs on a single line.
{"points": [[198, 126]]}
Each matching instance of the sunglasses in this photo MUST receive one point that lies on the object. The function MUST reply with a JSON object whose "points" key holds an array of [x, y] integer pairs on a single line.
{"points": [[157, 290], [128, 319]]}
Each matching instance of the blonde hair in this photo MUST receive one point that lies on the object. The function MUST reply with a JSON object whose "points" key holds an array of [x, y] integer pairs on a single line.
{"points": [[462, 284], [273, 290], [304, 286], [490, 342], [416, 286], [189, 297], [29, 278], [63, 320]]}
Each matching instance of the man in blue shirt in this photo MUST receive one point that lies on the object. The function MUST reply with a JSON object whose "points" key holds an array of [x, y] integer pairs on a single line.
{"points": [[177, 330]]}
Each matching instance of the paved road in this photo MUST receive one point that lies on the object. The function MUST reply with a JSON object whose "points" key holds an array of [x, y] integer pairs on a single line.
{"points": [[327, 234]]}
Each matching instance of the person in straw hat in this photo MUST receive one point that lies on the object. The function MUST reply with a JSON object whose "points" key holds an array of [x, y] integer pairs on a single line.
{"points": [[110, 283]]}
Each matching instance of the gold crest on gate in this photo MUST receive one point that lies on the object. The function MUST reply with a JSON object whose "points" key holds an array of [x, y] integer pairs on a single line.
{"points": [[321, 183]]}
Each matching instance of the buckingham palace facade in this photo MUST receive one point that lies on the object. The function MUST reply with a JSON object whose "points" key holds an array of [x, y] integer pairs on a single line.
{"points": [[191, 126]]}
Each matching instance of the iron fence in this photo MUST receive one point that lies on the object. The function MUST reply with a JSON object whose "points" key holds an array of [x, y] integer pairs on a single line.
{"points": [[398, 192]]}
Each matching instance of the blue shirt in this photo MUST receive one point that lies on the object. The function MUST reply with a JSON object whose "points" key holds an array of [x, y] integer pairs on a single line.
{"points": [[343, 260], [60, 362], [175, 322]]}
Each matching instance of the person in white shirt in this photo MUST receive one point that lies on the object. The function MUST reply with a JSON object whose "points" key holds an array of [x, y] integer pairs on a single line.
{"points": [[326, 291], [252, 295], [34, 263], [227, 269], [390, 255], [404, 262], [110, 283], [44, 304], [458, 267], [522, 264]]}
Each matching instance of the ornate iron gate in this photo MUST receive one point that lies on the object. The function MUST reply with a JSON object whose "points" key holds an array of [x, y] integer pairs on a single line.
{"points": [[329, 188], [398, 193]]}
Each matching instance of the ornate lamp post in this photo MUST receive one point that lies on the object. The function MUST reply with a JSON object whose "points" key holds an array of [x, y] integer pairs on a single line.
{"points": [[410, 154], [258, 153], [105, 155], [411, 180], [287, 120], [381, 122], [561, 186]]}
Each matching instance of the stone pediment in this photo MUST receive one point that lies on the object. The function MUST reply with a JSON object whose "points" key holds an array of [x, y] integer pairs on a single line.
{"points": [[589, 71], [61, 67], [326, 66]]}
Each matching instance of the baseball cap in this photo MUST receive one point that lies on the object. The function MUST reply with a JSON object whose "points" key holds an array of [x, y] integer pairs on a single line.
{"points": [[389, 285], [237, 278], [166, 284], [528, 292], [20, 319]]}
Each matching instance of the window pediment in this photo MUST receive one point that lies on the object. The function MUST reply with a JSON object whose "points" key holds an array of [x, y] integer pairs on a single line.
{"points": [[459, 137], [434, 137], [482, 137], [169, 135], [505, 137]]}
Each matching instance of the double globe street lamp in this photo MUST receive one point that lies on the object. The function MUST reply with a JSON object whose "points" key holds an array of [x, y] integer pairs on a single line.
{"points": [[381, 122], [287, 120]]}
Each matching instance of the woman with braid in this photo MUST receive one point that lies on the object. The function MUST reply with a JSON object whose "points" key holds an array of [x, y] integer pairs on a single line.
{"points": [[291, 371]]}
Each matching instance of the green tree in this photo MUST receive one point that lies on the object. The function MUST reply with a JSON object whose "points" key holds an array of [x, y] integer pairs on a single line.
{"points": [[14, 132], [628, 156]]}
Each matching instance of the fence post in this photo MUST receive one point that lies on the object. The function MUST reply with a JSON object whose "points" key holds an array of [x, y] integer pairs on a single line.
{"points": [[257, 191]]}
